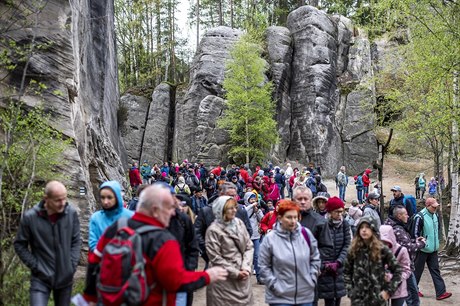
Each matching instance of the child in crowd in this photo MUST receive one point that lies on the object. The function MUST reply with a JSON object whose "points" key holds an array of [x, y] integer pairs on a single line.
{"points": [[402, 256], [366, 265], [355, 213]]}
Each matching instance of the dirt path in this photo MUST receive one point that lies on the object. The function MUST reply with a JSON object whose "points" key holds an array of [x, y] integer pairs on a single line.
{"points": [[426, 286]]}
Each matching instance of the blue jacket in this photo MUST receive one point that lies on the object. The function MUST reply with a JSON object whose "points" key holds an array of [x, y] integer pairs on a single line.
{"points": [[102, 219]]}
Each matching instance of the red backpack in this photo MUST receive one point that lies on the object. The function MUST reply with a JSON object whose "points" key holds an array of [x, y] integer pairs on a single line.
{"points": [[122, 279]]}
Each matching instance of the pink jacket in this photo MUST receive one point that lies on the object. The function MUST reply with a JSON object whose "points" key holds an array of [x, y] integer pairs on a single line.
{"points": [[387, 235]]}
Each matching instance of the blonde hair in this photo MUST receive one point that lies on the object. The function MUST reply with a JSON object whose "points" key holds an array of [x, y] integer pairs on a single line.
{"points": [[229, 204]]}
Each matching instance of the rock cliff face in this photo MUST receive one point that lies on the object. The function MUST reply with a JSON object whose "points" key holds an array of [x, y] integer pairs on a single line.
{"points": [[80, 63], [322, 70]]}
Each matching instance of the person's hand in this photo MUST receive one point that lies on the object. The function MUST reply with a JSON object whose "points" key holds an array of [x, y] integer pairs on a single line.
{"points": [[243, 274], [217, 274], [92, 304], [255, 207], [385, 295], [421, 238]]}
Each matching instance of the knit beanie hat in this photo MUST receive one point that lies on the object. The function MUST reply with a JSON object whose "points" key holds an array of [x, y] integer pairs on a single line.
{"points": [[334, 203], [371, 222]]}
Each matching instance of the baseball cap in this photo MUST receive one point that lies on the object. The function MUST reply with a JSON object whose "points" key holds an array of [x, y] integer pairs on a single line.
{"points": [[431, 202], [396, 188]]}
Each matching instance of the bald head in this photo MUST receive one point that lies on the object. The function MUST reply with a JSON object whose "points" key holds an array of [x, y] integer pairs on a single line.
{"points": [[55, 197], [54, 186], [156, 201]]}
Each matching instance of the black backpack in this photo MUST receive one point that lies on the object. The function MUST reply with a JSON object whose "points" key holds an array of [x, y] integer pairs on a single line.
{"points": [[412, 224]]}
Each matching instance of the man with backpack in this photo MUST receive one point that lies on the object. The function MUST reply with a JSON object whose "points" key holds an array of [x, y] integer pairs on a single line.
{"points": [[371, 208], [407, 201], [399, 221], [427, 225], [342, 183], [155, 275], [359, 187], [191, 179]]}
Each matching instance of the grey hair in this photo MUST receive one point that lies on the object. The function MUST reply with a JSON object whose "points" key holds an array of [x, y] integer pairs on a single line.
{"points": [[302, 189], [152, 196], [225, 187], [51, 186], [398, 210]]}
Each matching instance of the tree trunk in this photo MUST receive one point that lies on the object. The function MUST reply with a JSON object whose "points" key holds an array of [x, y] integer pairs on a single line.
{"points": [[453, 237], [382, 149], [231, 14], [197, 24], [221, 16], [247, 140]]}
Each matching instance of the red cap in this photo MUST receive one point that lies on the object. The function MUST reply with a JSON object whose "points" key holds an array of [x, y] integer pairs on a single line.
{"points": [[334, 203]]}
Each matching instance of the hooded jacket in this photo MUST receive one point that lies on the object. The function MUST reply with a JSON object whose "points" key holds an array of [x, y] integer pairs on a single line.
{"points": [[289, 266], [364, 278], [371, 211], [387, 234], [228, 245], [102, 219], [54, 248], [254, 217], [403, 238]]}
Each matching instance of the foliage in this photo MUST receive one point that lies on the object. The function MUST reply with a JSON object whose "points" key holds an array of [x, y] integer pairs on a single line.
{"points": [[249, 107], [148, 50], [419, 88]]}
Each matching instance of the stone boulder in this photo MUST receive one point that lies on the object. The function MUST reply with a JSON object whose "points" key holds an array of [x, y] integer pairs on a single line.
{"points": [[133, 129], [206, 78], [314, 87], [211, 140], [158, 129], [79, 70], [355, 111], [279, 44]]}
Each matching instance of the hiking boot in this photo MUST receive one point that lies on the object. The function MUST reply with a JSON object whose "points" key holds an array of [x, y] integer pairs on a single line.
{"points": [[420, 294], [443, 296]]}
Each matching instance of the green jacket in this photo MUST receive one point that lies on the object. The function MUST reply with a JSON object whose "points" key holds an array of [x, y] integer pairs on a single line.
{"points": [[364, 279], [430, 231]]}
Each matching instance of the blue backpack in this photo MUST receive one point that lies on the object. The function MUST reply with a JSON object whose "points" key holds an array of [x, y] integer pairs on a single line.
{"points": [[409, 200], [359, 181]]}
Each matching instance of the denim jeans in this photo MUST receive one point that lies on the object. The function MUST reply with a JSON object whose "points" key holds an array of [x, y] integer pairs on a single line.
{"points": [[255, 260], [40, 294], [281, 188], [431, 260], [342, 190], [359, 193], [412, 290], [181, 299]]}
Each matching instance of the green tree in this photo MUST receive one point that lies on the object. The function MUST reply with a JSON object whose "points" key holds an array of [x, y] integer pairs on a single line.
{"points": [[422, 87], [250, 110]]}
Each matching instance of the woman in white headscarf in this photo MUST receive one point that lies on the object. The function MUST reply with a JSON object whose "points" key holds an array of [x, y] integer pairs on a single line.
{"points": [[228, 245]]}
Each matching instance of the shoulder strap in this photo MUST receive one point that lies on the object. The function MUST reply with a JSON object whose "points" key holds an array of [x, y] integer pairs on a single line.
{"points": [[307, 238], [122, 222], [147, 228], [397, 251]]}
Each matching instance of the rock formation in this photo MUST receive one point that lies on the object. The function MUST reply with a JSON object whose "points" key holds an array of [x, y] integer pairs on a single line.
{"points": [[321, 68], [80, 63]]}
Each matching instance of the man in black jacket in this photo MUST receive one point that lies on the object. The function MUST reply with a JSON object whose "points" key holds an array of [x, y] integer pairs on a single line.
{"points": [[181, 226], [316, 223], [206, 217], [48, 242]]}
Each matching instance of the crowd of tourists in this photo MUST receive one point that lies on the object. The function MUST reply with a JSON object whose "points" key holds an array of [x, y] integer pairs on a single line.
{"points": [[277, 223]]}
